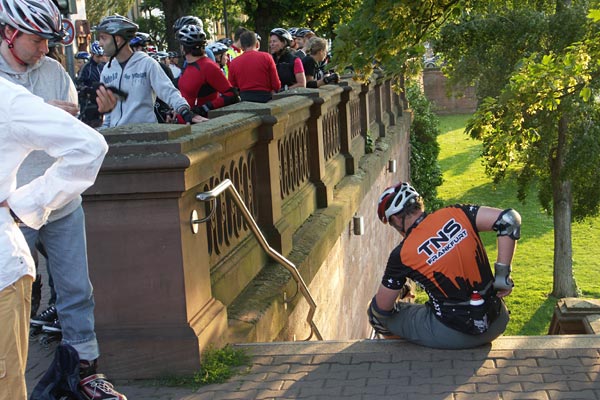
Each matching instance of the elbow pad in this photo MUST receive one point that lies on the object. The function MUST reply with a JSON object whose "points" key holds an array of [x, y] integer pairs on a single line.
{"points": [[508, 224]]}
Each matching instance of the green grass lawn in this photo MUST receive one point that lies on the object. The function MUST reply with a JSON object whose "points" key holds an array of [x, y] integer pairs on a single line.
{"points": [[465, 182]]}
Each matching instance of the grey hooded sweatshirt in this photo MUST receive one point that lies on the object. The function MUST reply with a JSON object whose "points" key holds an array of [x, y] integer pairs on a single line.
{"points": [[142, 79]]}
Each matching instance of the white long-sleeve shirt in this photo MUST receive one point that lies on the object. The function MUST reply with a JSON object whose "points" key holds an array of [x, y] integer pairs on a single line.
{"points": [[27, 123]]}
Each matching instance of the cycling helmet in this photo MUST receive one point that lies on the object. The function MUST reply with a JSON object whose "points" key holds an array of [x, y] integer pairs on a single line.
{"points": [[162, 55], [140, 39], [283, 35], [217, 48], [96, 49], [191, 35], [293, 31], [303, 32], [226, 41], [37, 17], [394, 200], [258, 38], [187, 20], [117, 25], [82, 55], [151, 49]]}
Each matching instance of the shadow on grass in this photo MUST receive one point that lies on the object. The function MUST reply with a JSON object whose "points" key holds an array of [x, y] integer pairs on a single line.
{"points": [[458, 163], [540, 320]]}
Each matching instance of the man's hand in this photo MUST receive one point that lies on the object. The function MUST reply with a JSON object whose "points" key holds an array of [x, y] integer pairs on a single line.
{"points": [[378, 318], [105, 99], [71, 108], [198, 119], [4, 203], [503, 293]]}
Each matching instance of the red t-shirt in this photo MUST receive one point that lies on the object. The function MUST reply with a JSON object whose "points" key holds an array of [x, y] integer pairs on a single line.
{"points": [[202, 81], [254, 70]]}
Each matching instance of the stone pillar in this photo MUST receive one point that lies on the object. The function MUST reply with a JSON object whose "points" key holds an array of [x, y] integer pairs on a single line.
{"points": [[154, 306]]}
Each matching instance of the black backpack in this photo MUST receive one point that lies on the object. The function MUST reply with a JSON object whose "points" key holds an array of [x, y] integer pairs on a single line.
{"points": [[61, 380]]}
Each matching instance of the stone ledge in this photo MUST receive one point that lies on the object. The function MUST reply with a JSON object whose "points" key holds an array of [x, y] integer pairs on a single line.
{"points": [[549, 342], [573, 315]]}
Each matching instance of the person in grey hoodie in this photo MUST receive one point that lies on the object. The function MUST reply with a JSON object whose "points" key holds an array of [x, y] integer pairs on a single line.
{"points": [[137, 77], [25, 28]]}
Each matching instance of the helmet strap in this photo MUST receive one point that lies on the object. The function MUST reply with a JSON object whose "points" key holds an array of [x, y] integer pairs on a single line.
{"points": [[119, 48], [11, 47]]}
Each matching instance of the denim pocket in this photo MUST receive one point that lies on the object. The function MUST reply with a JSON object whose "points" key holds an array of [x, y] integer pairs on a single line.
{"points": [[2, 368]]}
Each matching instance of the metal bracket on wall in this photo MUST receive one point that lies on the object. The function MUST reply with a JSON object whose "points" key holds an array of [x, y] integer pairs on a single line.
{"points": [[211, 196]]}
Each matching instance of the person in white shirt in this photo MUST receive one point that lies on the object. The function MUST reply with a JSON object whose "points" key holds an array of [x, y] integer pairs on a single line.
{"points": [[78, 151], [26, 26]]}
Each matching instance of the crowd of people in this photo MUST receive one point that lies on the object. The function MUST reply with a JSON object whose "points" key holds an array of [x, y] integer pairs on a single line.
{"points": [[51, 157], [297, 58]]}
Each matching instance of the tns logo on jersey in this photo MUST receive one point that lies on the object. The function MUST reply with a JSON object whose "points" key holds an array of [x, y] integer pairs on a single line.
{"points": [[438, 246]]}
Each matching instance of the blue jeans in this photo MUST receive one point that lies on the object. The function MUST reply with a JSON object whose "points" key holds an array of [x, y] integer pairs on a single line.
{"points": [[65, 244]]}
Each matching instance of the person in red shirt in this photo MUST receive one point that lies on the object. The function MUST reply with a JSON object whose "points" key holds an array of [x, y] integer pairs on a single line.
{"points": [[202, 83], [443, 253], [254, 72]]}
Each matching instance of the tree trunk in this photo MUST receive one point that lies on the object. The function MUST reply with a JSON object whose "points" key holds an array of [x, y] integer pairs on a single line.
{"points": [[265, 18], [564, 282], [173, 9]]}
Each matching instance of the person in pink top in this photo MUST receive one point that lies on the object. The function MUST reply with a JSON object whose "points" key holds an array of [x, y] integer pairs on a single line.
{"points": [[254, 72]]}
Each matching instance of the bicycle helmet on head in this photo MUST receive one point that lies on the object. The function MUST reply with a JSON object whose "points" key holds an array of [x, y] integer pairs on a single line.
{"points": [[217, 48], [303, 32], [187, 20], [191, 35], [96, 49], [82, 55], [226, 41], [37, 17], [283, 35], [293, 31], [117, 25], [394, 200]]}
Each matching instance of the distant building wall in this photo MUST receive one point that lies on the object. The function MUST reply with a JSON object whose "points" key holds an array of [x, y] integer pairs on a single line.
{"points": [[456, 101]]}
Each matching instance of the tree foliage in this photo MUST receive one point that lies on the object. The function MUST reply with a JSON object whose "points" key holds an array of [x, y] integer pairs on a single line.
{"points": [[539, 121], [96, 10], [388, 33], [425, 171]]}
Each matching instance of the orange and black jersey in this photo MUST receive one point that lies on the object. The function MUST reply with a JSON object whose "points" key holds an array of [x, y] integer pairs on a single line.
{"points": [[444, 254]]}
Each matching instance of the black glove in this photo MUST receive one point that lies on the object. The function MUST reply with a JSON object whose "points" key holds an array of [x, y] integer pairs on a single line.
{"points": [[333, 78], [205, 108], [187, 116], [378, 318]]}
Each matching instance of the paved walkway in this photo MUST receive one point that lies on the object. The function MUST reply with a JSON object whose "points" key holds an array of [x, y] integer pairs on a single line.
{"points": [[537, 368]]}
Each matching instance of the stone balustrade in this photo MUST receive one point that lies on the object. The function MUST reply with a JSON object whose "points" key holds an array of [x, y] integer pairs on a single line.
{"points": [[163, 291]]}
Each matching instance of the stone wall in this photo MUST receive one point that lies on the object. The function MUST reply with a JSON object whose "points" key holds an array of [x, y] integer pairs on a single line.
{"points": [[166, 288]]}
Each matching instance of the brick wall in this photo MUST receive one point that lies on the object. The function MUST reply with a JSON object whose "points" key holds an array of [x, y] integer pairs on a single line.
{"points": [[456, 101]]}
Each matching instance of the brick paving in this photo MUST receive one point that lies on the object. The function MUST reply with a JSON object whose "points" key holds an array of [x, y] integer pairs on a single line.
{"points": [[513, 367]]}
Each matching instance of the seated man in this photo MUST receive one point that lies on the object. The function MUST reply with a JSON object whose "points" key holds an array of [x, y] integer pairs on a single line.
{"points": [[443, 253]]}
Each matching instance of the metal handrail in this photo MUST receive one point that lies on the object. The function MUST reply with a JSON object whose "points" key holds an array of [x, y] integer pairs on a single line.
{"points": [[211, 195]]}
